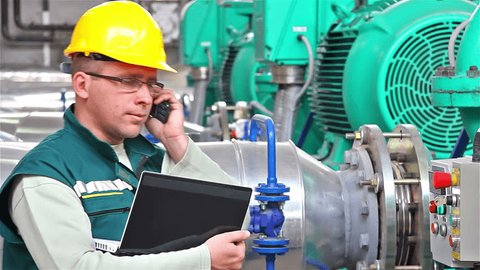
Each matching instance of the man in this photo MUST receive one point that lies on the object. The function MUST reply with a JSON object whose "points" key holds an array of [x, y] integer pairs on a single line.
{"points": [[79, 183]]}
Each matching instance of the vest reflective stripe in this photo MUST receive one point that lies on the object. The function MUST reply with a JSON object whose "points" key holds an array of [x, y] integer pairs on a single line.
{"points": [[101, 195], [100, 186]]}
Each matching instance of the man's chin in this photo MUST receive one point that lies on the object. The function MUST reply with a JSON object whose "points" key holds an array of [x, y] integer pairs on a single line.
{"points": [[132, 133]]}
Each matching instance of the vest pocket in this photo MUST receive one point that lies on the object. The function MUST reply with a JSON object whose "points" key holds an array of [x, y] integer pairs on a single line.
{"points": [[108, 213]]}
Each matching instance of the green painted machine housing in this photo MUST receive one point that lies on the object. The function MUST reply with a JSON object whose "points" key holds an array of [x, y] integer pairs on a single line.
{"points": [[459, 86], [198, 29], [205, 23], [277, 25], [375, 67], [243, 78]]}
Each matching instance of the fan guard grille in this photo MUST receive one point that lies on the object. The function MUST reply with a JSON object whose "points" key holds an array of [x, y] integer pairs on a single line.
{"points": [[408, 86]]}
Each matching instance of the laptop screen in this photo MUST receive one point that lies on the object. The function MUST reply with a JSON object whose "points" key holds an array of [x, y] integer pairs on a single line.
{"points": [[168, 208]]}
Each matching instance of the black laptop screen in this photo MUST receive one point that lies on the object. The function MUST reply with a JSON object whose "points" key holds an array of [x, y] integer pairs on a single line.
{"points": [[167, 208]]}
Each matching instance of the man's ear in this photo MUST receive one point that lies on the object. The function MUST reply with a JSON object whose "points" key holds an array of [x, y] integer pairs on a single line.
{"points": [[81, 84]]}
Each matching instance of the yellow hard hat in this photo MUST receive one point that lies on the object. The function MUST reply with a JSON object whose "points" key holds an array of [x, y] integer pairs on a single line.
{"points": [[122, 30]]}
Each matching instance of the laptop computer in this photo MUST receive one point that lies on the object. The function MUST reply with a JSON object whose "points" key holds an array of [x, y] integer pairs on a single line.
{"points": [[172, 213]]}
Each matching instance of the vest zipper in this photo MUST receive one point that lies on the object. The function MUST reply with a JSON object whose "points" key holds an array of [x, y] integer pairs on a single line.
{"points": [[120, 210], [139, 169]]}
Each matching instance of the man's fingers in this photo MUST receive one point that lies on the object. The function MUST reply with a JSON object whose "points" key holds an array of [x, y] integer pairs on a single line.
{"points": [[237, 236]]}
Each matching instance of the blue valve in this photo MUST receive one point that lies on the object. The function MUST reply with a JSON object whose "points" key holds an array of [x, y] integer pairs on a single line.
{"points": [[268, 221], [268, 218]]}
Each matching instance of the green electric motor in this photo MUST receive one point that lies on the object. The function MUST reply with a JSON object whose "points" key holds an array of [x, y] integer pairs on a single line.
{"points": [[375, 66]]}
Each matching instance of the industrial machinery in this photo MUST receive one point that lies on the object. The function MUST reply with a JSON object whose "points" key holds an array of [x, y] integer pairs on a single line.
{"points": [[284, 37], [455, 183], [369, 214], [206, 31], [375, 66], [345, 218], [383, 202], [378, 55], [242, 76]]}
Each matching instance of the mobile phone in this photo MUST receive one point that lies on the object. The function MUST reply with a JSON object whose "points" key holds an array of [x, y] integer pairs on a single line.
{"points": [[161, 111]]}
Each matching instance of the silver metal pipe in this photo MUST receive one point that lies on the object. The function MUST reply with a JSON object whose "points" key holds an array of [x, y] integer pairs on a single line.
{"points": [[200, 76], [287, 109], [278, 111]]}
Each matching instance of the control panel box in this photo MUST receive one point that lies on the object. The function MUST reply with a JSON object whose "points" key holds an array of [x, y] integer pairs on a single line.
{"points": [[455, 211]]}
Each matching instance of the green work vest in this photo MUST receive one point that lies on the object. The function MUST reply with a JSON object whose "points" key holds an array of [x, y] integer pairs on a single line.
{"points": [[75, 157]]}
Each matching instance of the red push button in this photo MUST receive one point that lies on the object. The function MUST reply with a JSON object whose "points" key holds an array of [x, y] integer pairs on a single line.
{"points": [[441, 180], [432, 207]]}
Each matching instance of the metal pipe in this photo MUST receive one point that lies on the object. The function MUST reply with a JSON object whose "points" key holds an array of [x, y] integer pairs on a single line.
{"points": [[199, 92], [46, 45], [32, 26], [270, 262], [272, 199], [278, 111], [6, 33], [200, 77], [290, 112], [285, 111], [270, 132]]}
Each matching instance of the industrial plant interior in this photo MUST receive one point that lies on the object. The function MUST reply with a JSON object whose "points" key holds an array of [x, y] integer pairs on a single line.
{"points": [[357, 121]]}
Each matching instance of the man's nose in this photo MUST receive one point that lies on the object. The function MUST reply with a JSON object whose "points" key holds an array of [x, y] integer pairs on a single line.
{"points": [[144, 94]]}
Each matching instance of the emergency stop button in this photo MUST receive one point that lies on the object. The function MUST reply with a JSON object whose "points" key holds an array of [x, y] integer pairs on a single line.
{"points": [[442, 180]]}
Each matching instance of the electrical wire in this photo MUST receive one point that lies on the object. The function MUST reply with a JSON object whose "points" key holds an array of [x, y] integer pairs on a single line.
{"points": [[453, 37], [310, 67], [260, 107]]}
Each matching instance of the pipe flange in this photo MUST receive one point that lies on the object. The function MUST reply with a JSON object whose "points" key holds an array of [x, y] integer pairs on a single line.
{"points": [[288, 74]]}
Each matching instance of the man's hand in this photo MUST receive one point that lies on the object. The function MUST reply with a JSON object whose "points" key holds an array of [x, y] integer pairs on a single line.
{"points": [[227, 250], [171, 134]]}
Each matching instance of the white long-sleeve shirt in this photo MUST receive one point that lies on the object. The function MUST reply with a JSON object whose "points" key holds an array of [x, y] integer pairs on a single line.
{"points": [[57, 231]]}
